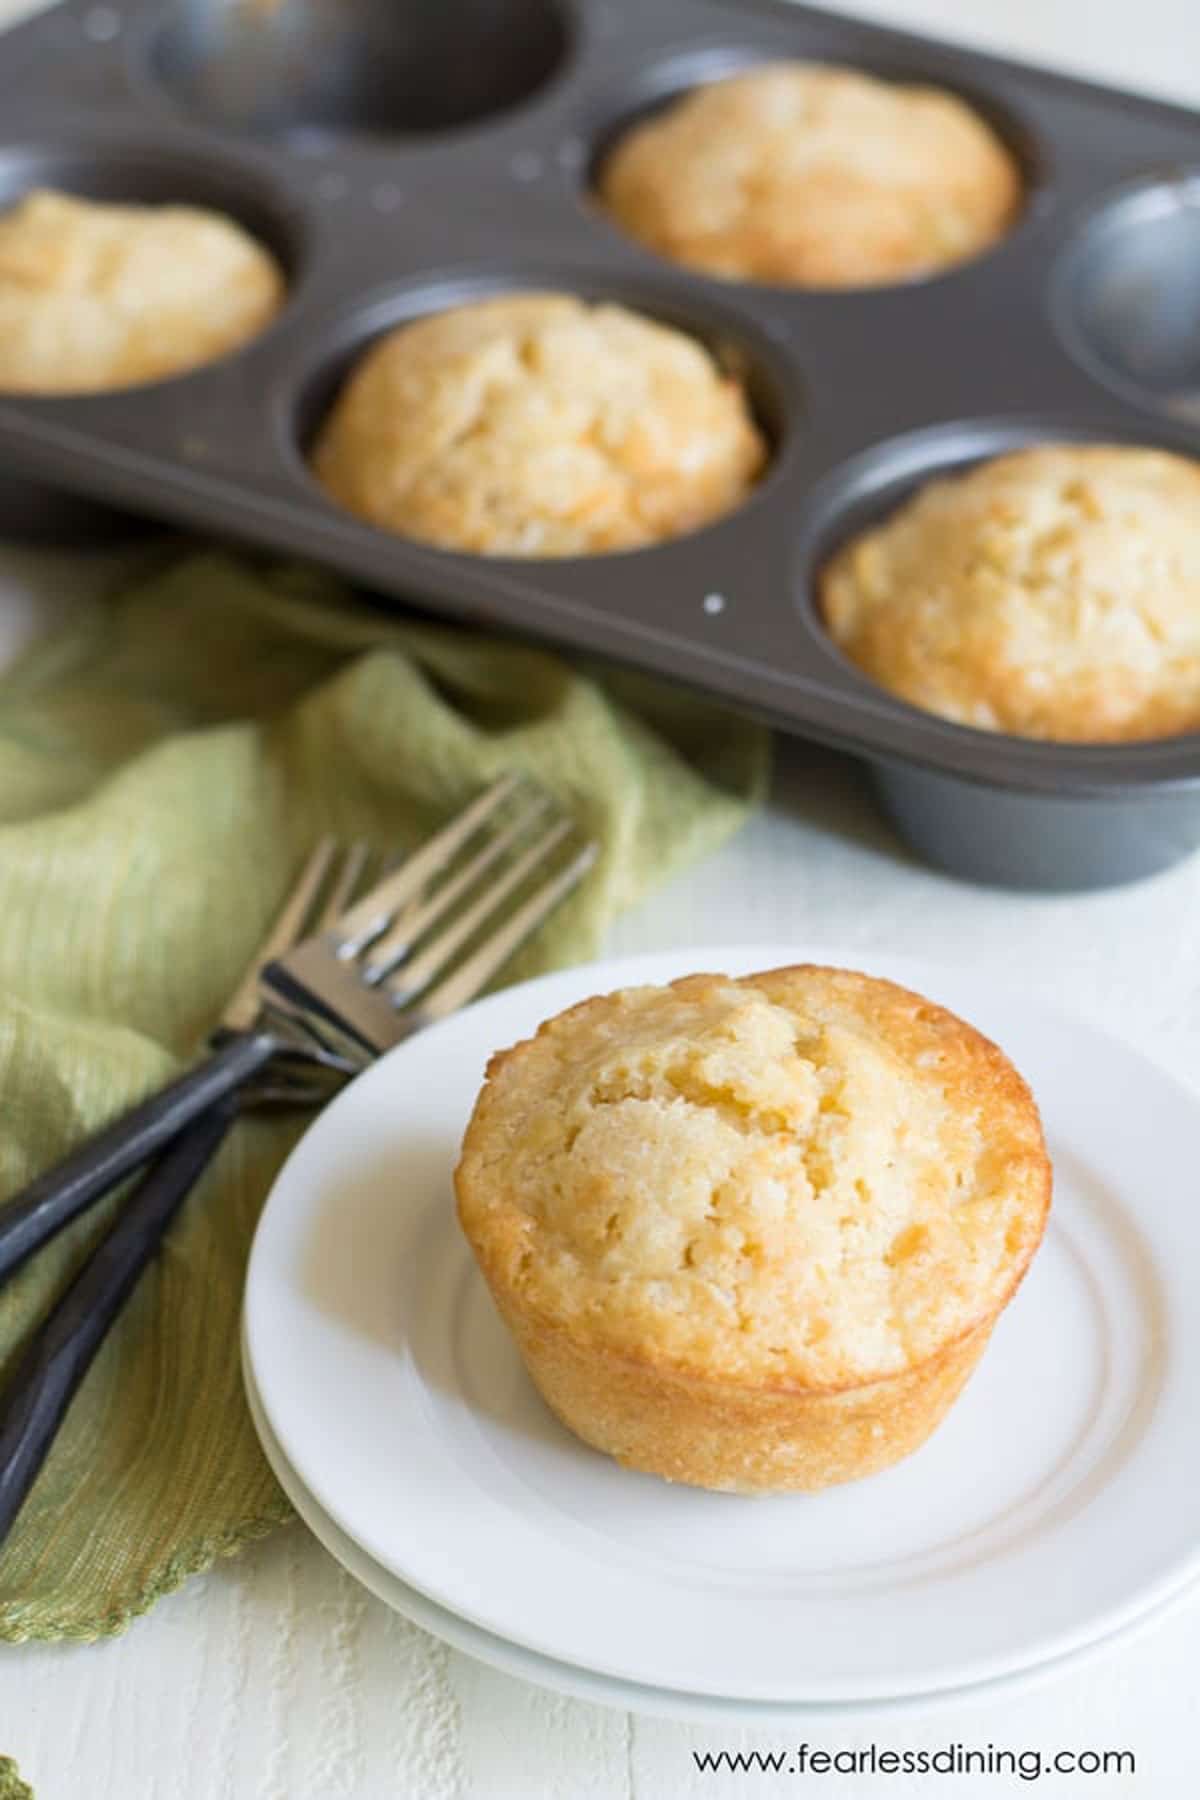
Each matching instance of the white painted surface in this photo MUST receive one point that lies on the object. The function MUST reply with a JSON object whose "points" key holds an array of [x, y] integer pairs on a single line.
{"points": [[276, 1678]]}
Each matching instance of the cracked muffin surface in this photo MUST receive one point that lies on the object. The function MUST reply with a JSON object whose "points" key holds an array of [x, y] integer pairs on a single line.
{"points": [[95, 296], [1050, 593], [536, 424], [810, 175], [754, 1233]]}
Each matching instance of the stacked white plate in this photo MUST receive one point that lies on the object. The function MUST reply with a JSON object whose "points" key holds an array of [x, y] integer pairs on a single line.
{"points": [[1055, 1507]]}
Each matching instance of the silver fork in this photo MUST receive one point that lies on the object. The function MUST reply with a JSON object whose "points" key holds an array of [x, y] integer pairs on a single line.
{"points": [[58, 1355], [430, 936], [383, 972]]}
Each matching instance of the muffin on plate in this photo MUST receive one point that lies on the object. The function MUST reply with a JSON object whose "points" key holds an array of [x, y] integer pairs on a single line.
{"points": [[96, 296], [535, 424], [753, 1234], [809, 175], [1050, 593]]}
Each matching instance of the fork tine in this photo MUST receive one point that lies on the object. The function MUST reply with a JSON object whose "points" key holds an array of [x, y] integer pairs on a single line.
{"points": [[363, 923], [345, 884], [471, 976], [435, 958], [242, 1010], [414, 920]]}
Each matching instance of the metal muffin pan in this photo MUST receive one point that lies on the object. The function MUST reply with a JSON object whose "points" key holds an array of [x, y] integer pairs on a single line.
{"points": [[429, 154]]}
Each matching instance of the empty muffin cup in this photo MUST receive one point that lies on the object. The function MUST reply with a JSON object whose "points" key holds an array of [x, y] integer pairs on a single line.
{"points": [[1127, 295], [395, 67]]}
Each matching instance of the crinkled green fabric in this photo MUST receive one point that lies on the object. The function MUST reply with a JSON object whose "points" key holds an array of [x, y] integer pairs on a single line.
{"points": [[11, 1785], [165, 761]]}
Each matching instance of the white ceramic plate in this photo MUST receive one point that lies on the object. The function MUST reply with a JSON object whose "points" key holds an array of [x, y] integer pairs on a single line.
{"points": [[607, 1690], [1054, 1506]]}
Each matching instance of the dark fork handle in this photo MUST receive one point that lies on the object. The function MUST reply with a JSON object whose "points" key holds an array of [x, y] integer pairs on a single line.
{"points": [[48, 1374], [60, 1194]]}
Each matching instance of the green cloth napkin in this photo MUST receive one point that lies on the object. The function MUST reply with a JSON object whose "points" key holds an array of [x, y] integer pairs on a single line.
{"points": [[165, 761], [11, 1785]]}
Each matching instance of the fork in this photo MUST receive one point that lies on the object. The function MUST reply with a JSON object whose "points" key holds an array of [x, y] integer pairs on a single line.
{"points": [[392, 921], [430, 936], [62, 1349]]}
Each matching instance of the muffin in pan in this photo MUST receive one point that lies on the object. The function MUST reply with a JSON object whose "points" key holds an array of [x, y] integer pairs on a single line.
{"points": [[96, 296], [538, 425], [810, 175], [1050, 593], [753, 1234]]}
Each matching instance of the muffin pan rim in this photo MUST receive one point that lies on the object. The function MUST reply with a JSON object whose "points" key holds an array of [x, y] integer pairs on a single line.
{"points": [[1138, 766]]}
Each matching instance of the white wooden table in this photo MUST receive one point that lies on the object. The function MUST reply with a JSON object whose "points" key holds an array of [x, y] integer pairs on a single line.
{"points": [[276, 1678]]}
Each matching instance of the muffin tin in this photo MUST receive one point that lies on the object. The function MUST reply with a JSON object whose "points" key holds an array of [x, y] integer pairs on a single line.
{"points": [[401, 158]]}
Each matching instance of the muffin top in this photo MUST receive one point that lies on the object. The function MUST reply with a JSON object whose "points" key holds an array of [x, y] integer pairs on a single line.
{"points": [[538, 425], [1052, 593], [98, 296], [802, 1178], [814, 176]]}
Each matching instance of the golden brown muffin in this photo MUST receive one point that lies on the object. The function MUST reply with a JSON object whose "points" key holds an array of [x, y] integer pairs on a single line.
{"points": [[537, 425], [1052, 593], [754, 1234], [813, 176], [96, 296]]}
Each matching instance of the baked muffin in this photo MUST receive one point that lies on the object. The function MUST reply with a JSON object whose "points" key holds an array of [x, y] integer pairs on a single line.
{"points": [[95, 296], [1051, 593], [753, 1234], [538, 425], [813, 176]]}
